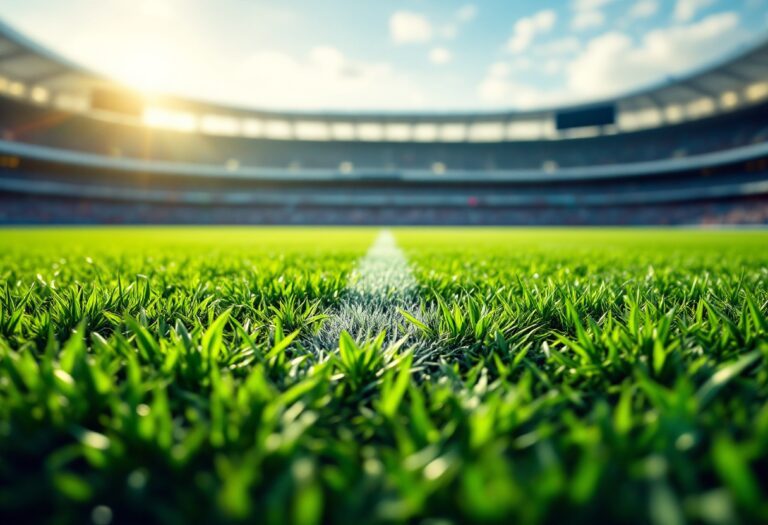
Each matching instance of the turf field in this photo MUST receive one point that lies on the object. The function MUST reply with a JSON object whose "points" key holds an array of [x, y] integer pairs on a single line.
{"points": [[346, 375]]}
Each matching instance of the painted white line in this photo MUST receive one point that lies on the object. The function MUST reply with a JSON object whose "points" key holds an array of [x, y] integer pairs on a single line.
{"points": [[380, 284], [383, 274]]}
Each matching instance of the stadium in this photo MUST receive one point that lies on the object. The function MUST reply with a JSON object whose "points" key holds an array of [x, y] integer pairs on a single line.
{"points": [[78, 148], [223, 304]]}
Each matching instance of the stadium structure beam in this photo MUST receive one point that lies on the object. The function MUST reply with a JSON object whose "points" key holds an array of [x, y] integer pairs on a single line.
{"points": [[741, 77], [759, 71], [735, 81], [760, 60], [656, 101], [44, 78], [13, 55], [695, 87]]}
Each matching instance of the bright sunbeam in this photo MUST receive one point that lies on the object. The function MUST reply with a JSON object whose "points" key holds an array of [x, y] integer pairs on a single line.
{"points": [[147, 68]]}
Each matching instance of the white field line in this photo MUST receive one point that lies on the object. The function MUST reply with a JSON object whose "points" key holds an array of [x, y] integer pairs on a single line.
{"points": [[383, 273], [380, 284]]}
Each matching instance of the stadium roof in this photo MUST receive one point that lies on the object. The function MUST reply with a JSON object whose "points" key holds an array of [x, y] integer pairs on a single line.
{"points": [[32, 72]]}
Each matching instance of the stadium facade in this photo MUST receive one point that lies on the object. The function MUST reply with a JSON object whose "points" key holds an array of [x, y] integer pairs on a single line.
{"points": [[76, 147]]}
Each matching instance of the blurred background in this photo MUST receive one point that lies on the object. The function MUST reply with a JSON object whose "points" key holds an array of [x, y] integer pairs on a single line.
{"points": [[583, 112]]}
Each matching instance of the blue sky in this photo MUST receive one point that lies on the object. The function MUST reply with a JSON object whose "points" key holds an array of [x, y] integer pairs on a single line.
{"points": [[392, 54]]}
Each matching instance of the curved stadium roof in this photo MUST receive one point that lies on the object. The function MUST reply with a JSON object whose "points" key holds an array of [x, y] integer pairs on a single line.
{"points": [[31, 72]]}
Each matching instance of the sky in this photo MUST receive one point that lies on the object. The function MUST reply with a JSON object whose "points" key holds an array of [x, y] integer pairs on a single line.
{"points": [[390, 55]]}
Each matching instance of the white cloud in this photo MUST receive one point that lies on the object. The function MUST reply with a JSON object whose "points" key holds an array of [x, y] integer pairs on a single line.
{"points": [[406, 27], [563, 46], [553, 66], [588, 14], [502, 84], [499, 87], [336, 81], [587, 20], [496, 91], [328, 58], [440, 56], [613, 62], [526, 30], [499, 70], [686, 10], [449, 31], [644, 9], [466, 13], [463, 16], [589, 5]]}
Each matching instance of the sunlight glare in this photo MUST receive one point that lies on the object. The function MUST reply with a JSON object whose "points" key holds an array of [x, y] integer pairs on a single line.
{"points": [[148, 68]]}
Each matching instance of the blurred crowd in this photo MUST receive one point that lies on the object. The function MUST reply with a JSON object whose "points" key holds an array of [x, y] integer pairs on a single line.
{"points": [[50, 210]]}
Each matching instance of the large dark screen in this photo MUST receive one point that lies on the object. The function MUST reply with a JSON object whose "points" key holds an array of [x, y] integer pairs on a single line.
{"points": [[582, 118]]}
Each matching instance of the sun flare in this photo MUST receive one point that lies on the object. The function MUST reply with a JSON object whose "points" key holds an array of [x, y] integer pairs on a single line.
{"points": [[147, 68]]}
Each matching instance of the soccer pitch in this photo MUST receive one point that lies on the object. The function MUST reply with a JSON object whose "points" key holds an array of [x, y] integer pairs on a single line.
{"points": [[315, 375]]}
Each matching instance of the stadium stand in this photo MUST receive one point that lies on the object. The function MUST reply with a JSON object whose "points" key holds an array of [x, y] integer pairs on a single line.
{"points": [[28, 124], [78, 148]]}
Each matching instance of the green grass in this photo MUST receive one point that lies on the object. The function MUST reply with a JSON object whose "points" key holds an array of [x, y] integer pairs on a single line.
{"points": [[550, 376]]}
